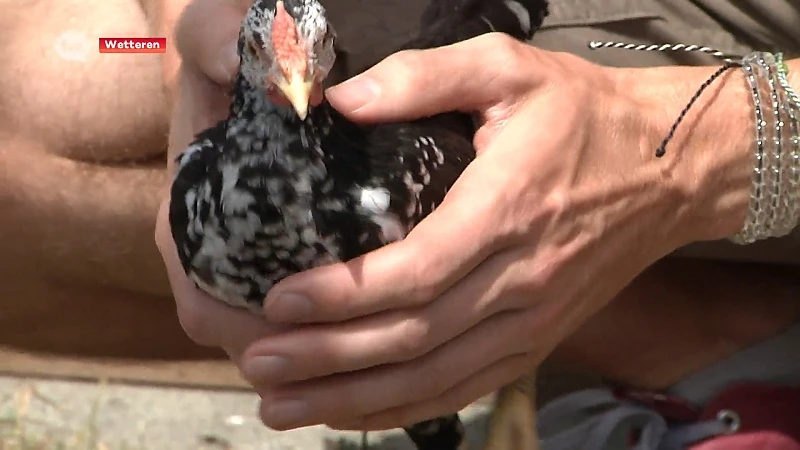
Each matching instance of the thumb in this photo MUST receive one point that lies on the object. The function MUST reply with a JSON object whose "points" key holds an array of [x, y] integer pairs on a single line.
{"points": [[468, 76], [206, 36]]}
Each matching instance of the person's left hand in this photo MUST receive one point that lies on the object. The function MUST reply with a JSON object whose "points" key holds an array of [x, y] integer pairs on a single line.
{"points": [[563, 207]]}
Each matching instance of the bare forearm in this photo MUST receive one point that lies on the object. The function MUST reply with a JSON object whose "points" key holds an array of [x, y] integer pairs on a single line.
{"points": [[681, 315]]}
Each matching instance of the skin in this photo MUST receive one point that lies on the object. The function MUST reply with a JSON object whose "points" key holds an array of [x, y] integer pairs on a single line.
{"points": [[107, 224], [545, 250], [80, 186]]}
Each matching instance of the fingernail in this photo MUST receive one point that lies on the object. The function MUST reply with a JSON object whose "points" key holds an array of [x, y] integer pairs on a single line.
{"points": [[230, 60], [288, 308], [266, 368], [354, 93], [285, 412]]}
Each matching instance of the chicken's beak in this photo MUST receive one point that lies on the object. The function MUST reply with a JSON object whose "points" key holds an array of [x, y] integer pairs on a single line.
{"points": [[298, 91]]}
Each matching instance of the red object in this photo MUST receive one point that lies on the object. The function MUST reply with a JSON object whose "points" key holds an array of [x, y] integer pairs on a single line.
{"points": [[289, 52], [764, 417], [768, 418]]}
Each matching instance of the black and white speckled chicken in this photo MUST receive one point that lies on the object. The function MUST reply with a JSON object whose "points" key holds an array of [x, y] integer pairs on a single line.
{"points": [[273, 190]]}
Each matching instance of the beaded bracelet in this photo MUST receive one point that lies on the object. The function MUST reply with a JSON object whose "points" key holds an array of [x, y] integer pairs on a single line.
{"points": [[774, 210]]}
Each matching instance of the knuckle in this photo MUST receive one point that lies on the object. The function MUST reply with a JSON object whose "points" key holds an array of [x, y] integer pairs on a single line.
{"points": [[404, 59], [502, 47], [405, 65], [415, 338], [499, 42], [425, 274], [507, 58], [334, 305], [423, 287]]}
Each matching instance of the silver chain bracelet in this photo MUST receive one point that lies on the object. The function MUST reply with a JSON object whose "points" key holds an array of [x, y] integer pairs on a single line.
{"points": [[774, 210]]}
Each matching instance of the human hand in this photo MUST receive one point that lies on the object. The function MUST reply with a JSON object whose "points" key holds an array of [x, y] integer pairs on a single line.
{"points": [[206, 36], [564, 206], [209, 62]]}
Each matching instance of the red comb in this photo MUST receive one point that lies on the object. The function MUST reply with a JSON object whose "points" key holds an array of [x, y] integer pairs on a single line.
{"points": [[288, 51]]}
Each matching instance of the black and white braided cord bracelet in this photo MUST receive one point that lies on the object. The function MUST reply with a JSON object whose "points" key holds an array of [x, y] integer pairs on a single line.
{"points": [[775, 192], [729, 61]]}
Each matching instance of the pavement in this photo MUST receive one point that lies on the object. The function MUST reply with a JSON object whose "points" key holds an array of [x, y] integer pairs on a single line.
{"points": [[133, 413], [138, 417]]}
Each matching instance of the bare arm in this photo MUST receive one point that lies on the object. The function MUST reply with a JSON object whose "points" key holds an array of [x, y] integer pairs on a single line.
{"points": [[82, 170], [680, 316], [82, 144]]}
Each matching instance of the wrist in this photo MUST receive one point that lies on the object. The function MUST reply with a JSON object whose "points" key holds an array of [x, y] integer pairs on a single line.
{"points": [[709, 161]]}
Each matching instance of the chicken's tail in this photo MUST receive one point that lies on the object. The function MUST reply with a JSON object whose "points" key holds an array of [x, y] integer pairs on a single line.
{"points": [[446, 22]]}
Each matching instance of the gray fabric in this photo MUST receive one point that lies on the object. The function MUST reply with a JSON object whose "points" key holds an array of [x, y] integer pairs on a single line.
{"points": [[733, 27], [776, 360], [573, 23], [768, 24], [594, 419]]}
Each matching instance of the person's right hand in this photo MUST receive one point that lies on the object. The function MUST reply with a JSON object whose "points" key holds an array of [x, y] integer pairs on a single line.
{"points": [[205, 37]]}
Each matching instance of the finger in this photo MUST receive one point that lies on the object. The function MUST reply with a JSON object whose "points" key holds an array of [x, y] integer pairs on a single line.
{"points": [[471, 223], [459, 397], [206, 36], [206, 320], [467, 76], [208, 102], [439, 251], [317, 351], [387, 387]]}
